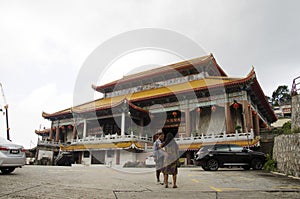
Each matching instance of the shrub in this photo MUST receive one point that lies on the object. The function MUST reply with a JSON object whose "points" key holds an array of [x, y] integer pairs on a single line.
{"points": [[270, 165], [287, 127]]}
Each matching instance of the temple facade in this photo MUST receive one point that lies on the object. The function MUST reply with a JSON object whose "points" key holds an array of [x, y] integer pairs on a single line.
{"points": [[195, 100]]}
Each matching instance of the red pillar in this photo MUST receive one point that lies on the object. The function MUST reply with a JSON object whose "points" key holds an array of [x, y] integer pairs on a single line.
{"points": [[74, 135], [57, 134], [228, 119], [247, 122], [51, 134], [256, 124]]}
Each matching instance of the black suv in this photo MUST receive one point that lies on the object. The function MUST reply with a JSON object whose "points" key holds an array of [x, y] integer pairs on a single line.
{"points": [[211, 157]]}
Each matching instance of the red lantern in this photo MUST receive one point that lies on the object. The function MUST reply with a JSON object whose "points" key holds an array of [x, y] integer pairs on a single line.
{"points": [[235, 105], [213, 108], [174, 113], [199, 110]]}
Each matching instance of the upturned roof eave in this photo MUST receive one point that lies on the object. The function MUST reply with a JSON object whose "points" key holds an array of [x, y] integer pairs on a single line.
{"points": [[233, 82], [158, 71], [60, 114], [77, 109]]}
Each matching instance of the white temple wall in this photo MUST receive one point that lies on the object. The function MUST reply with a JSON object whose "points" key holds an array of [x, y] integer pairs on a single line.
{"points": [[126, 156], [69, 135], [86, 160]]}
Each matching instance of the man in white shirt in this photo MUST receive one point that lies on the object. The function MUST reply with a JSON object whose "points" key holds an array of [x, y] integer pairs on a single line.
{"points": [[158, 154]]}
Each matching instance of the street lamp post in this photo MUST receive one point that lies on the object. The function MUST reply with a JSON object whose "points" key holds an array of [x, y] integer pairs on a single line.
{"points": [[6, 112]]}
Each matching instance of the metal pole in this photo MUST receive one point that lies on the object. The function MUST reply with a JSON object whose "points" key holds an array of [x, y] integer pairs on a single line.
{"points": [[7, 126], [6, 111]]}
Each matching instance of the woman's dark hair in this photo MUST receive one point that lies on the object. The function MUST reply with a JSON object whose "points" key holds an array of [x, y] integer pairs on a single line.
{"points": [[169, 139]]}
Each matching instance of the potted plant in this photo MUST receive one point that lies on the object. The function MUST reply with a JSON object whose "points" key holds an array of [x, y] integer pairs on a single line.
{"points": [[238, 128]]}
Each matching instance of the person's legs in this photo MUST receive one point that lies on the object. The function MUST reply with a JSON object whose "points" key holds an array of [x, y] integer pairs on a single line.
{"points": [[158, 175], [166, 180], [174, 180]]}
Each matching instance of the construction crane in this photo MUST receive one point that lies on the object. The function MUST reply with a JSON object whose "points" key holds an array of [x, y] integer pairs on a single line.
{"points": [[6, 112]]}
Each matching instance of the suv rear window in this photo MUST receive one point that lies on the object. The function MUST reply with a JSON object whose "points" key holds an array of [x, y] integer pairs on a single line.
{"points": [[222, 148], [236, 148], [206, 148]]}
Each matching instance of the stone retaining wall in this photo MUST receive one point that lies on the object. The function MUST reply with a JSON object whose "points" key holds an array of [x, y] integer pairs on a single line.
{"points": [[286, 153], [296, 112]]}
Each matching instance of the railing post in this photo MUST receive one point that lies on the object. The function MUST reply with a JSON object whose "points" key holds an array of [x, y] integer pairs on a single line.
{"points": [[251, 134], [84, 128], [123, 123]]}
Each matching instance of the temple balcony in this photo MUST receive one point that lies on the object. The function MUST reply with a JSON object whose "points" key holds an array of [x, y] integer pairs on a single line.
{"points": [[208, 138], [48, 143], [112, 138], [224, 137]]}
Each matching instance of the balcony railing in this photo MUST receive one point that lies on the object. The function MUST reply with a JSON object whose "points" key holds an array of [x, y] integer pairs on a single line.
{"points": [[112, 138], [123, 138], [50, 143], [217, 137]]}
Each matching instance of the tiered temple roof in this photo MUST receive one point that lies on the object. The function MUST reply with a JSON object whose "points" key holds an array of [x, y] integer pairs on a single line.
{"points": [[207, 83]]}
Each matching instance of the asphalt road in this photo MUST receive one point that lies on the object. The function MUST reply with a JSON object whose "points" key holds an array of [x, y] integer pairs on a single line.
{"points": [[103, 182]]}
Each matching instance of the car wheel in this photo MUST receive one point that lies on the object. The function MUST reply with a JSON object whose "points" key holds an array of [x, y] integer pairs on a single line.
{"points": [[212, 165], [246, 167], [7, 170], [257, 164]]}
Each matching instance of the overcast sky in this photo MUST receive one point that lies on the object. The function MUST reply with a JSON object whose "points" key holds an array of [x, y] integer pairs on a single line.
{"points": [[43, 45]]}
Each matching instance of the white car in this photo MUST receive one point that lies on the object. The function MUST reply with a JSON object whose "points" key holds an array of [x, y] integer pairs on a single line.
{"points": [[11, 156], [150, 161]]}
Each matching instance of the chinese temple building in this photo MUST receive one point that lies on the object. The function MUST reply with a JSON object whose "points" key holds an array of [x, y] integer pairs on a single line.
{"points": [[195, 100]]}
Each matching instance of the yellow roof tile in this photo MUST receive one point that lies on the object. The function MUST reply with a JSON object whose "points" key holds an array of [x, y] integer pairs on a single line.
{"points": [[105, 103], [152, 93]]}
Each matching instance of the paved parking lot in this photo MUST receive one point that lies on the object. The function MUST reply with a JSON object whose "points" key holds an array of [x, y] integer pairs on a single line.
{"points": [[103, 182]]}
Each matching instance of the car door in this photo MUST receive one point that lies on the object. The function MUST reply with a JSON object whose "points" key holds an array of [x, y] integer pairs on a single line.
{"points": [[223, 154], [240, 155]]}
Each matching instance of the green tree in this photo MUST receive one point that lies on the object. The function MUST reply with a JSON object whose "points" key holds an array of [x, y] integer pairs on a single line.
{"points": [[269, 100], [287, 127], [281, 95]]}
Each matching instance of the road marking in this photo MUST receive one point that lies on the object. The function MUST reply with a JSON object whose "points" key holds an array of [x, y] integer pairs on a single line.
{"points": [[215, 189], [287, 187], [196, 181], [230, 189], [224, 189]]}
